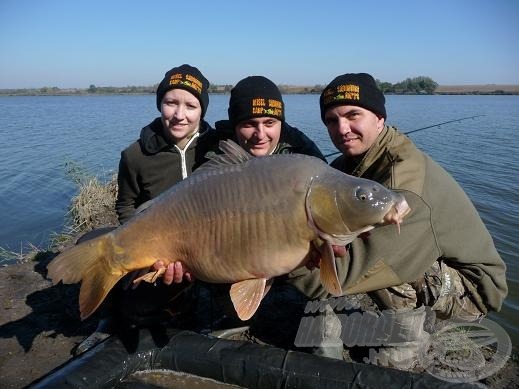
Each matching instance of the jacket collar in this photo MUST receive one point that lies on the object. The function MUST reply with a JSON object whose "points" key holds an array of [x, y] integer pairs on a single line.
{"points": [[375, 160], [152, 140]]}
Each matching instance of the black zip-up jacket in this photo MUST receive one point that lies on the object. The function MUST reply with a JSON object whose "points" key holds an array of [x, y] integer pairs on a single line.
{"points": [[151, 165]]}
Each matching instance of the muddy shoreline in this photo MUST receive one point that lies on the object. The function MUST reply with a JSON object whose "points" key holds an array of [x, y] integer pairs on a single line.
{"points": [[39, 324]]}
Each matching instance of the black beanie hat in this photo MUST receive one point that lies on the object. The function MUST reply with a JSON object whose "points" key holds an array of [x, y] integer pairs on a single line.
{"points": [[188, 78], [255, 96], [358, 89]]}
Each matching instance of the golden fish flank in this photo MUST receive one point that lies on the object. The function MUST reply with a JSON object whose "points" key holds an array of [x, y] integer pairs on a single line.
{"points": [[239, 220]]}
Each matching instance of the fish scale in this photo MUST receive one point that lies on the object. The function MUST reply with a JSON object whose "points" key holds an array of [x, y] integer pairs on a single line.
{"points": [[239, 220]]}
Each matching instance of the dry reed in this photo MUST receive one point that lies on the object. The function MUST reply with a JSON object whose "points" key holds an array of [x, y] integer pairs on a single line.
{"points": [[93, 206]]}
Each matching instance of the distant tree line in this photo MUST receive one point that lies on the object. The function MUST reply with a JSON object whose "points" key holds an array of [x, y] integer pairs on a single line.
{"points": [[126, 89], [418, 85]]}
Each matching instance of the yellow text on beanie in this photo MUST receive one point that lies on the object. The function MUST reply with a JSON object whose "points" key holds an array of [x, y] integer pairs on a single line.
{"points": [[255, 96], [359, 89], [188, 78]]}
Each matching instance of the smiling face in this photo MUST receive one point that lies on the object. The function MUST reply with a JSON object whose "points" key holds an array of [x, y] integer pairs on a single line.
{"points": [[352, 129], [259, 136], [181, 113]]}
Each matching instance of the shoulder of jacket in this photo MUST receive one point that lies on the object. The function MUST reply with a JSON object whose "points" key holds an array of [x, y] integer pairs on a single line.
{"points": [[292, 135], [224, 130], [132, 156], [409, 163], [133, 149], [205, 128]]}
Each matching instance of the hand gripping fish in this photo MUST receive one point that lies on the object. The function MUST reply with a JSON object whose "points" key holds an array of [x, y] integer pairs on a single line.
{"points": [[238, 219]]}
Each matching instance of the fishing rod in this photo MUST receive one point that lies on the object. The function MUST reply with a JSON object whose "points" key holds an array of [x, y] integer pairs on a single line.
{"points": [[423, 128]]}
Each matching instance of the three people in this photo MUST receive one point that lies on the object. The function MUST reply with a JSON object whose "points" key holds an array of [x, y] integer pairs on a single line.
{"points": [[444, 258]]}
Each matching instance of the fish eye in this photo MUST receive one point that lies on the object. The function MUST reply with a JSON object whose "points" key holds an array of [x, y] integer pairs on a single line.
{"points": [[362, 194]]}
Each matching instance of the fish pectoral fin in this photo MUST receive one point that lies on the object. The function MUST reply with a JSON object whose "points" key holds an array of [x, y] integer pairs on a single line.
{"points": [[152, 276], [329, 277], [268, 284], [342, 240], [246, 296]]}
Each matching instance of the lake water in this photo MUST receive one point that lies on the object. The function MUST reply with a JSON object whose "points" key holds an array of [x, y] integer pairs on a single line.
{"points": [[41, 134]]}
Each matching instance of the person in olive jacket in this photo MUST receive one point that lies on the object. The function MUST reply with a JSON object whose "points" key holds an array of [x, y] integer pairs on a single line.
{"points": [[443, 258]]}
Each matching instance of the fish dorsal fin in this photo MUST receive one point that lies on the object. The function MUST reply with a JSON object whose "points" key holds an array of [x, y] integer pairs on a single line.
{"points": [[246, 296], [234, 151], [233, 154]]}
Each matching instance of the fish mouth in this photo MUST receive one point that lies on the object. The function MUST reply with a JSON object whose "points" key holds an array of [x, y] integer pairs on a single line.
{"points": [[397, 213]]}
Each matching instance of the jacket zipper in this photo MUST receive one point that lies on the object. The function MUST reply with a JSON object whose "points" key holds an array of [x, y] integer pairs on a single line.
{"points": [[182, 153]]}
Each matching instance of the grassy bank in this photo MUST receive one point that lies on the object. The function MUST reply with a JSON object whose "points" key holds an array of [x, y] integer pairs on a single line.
{"points": [[488, 89]]}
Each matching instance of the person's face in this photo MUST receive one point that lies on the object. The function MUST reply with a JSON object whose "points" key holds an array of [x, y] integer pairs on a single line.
{"points": [[259, 136], [352, 129], [181, 113]]}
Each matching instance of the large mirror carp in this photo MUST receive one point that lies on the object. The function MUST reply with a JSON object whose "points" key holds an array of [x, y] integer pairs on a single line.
{"points": [[240, 220]]}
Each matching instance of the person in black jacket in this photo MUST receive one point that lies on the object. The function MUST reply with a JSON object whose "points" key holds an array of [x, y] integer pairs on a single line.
{"points": [[171, 146], [167, 151], [257, 121]]}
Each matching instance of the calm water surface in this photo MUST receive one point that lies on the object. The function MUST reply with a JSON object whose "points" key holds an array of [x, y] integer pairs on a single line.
{"points": [[41, 134]]}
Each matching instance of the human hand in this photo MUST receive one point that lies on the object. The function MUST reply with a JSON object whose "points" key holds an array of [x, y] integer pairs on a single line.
{"points": [[315, 256], [172, 273]]}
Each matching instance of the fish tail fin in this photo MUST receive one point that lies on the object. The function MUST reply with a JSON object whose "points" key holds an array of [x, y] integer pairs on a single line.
{"points": [[88, 262]]}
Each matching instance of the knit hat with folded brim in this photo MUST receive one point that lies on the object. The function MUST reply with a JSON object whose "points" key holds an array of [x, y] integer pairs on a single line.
{"points": [[188, 78], [255, 96], [358, 89]]}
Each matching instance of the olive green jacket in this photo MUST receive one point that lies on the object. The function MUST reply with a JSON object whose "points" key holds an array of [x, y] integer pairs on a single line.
{"points": [[443, 225]]}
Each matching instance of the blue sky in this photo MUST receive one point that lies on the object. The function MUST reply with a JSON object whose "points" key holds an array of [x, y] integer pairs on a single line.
{"points": [[73, 43]]}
